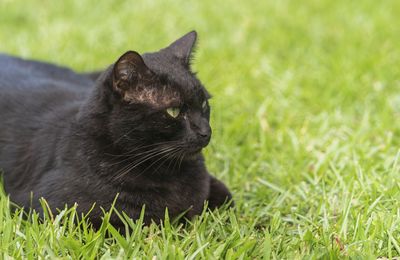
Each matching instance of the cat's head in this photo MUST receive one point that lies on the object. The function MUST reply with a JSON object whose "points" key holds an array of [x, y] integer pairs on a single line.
{"points": [[157, 102]]}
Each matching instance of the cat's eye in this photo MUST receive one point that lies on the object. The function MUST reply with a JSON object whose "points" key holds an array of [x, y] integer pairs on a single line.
{"points": [[204, 105], [173, 111]]}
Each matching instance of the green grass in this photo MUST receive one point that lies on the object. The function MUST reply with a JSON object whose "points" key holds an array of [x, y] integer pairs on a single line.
{"points": [[305, 118]]}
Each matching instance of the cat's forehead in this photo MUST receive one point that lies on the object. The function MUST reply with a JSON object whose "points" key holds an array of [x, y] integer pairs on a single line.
{"points": [[165, 64], [175, 75], [157, 96]]}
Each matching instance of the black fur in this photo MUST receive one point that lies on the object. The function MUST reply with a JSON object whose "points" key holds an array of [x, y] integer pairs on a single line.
{"points": [[69, 138]]}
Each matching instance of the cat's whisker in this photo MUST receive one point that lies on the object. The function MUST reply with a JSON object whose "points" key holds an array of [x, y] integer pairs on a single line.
{"points": [[133, 151], [156, 169], [182, 156], [142, 160], [164, 156], [157, 149], [167, 143], [169, 164], [142, 172], [126, 172], [136, 163], [175, 161], [120, 138], [146, 153], [141, 156], [173, 156]]}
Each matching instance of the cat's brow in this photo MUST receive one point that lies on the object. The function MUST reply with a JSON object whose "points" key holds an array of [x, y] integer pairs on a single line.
{"points": [[158, 97], [203, 94]]}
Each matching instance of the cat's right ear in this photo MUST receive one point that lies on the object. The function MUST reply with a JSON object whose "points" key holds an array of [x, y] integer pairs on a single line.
{"points": [[128, 71]]}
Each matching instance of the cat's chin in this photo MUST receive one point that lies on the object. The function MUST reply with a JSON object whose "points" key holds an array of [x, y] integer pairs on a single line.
{"points": [[193, 155]]}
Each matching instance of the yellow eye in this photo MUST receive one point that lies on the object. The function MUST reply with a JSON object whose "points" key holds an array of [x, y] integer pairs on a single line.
{"points": [[204, 105], [173, 111]]}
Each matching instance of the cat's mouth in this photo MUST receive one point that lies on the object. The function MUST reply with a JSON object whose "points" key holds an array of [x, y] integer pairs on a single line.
{"points": [[192, 156], [195, 151]]}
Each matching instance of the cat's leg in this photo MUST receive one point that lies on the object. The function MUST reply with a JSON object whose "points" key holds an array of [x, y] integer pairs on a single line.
{"points": [[219, 194]]}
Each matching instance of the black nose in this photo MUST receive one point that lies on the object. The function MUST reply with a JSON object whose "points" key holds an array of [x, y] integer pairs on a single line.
{"points": [[201, 128], [204, 135]]}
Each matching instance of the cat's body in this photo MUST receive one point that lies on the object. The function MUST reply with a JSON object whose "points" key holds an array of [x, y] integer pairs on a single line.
{"points": [[68, 138]]}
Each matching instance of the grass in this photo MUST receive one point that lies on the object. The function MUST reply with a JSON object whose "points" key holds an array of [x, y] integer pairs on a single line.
{"points": [[305, 109]]}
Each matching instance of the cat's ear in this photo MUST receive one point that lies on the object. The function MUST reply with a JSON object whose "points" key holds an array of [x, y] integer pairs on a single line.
{"points": [[183, 47], [128, 71]]}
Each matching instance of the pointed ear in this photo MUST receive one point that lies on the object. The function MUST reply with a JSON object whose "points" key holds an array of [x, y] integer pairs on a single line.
{"points": [[183, 47], [128, 71]]}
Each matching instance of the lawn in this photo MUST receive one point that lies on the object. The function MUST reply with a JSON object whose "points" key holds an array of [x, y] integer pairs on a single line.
{"points": [[306, 97]]}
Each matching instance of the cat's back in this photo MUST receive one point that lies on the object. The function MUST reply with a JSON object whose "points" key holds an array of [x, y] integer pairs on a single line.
{"points": [[28, 86], [35, 95], [37, 102], [20, 73]]}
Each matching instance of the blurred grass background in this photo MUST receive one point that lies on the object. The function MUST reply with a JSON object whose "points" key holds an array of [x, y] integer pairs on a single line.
{"points": [[305, 109]]}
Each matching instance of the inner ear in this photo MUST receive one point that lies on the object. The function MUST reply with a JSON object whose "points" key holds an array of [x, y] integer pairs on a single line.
{"points": [[129, 70]]}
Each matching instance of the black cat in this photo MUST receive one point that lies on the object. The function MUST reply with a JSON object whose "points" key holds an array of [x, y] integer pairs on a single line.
{"points": [[137, 131]]}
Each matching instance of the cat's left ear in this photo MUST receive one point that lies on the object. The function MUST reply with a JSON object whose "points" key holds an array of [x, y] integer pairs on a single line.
{"points": [[129, 71], [183, 47]]}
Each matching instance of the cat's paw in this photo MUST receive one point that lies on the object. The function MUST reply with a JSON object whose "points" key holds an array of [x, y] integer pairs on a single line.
{"points": [[219, 194]]}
